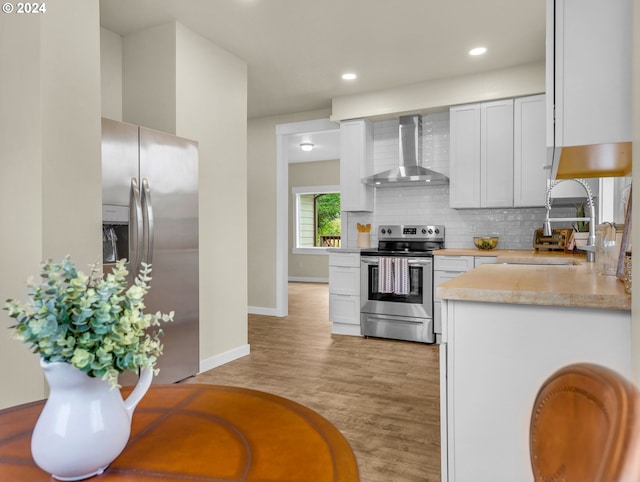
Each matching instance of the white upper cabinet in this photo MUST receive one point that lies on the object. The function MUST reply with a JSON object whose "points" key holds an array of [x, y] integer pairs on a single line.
{"points": [[464, 152], [496, 153], [588, 83], [481, 153], [356, 163], [529, 151]]}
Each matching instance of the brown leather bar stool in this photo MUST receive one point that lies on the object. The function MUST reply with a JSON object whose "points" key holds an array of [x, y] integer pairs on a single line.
{"points": [[585, 427]]}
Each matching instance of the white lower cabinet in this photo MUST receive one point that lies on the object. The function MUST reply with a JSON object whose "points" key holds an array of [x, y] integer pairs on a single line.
{"points": [[344, 293], [494, 358], [478, 260], [446, 268]]}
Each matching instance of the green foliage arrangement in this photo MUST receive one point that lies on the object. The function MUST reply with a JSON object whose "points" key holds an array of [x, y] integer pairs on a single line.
{"points": [[96, 324], [581, 226]]}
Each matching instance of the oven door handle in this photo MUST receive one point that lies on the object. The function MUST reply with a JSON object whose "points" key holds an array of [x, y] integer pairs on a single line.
{"points": [[369, 260], [412, 261], [420, 261]]}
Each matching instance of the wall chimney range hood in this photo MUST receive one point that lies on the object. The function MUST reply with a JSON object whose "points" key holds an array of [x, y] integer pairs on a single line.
{"points": [[409, 171]]}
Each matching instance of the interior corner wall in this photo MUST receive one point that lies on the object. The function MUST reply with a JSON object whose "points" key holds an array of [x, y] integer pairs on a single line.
{"points": [[149, 78], [211, 107], [49, 161]]}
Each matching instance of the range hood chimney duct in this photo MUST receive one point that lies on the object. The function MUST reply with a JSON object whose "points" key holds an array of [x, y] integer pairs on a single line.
{"points": [[409, 171]]}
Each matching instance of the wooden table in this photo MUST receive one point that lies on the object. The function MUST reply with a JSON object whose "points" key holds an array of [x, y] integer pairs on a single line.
{"points": [[203, 433]]}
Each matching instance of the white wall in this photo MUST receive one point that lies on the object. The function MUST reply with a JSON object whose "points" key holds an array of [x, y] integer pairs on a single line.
{"points": [[309, 267], [262, 209], [179, 82], [211, 107], [149, 78], [49, 161], [111, 74]]}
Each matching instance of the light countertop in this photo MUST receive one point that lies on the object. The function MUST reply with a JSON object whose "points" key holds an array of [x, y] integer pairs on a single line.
{"points": [[345, 250], [575, 285], [529, 253]]}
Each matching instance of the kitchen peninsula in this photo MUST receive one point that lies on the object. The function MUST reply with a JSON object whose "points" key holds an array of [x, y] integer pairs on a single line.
{"points": [[505, 328]]}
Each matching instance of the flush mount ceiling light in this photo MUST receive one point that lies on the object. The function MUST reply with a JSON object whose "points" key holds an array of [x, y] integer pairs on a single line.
{"points": [[306, 146], [477, 51], [349, 76]]}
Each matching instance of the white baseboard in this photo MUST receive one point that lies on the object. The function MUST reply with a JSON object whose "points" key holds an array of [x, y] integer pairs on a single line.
{"points": [[258, 310], [345, 329], [302, 279], [223, 358]]}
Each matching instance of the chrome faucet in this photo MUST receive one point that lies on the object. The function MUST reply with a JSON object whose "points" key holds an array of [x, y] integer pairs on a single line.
{"points": [[590, 248]]}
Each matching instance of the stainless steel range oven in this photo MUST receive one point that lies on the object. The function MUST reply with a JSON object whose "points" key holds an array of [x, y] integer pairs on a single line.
{"points": [[396, 283]]}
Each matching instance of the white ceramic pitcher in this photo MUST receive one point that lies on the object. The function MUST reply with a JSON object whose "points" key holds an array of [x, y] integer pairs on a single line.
{"points": [[85, 424]]}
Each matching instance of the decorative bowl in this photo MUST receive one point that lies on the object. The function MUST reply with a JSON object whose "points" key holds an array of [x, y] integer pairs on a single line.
{"points": [[486, 242]]}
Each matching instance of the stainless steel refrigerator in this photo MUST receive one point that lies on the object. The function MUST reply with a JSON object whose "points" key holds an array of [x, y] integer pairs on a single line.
{"points": [[150, 214]]}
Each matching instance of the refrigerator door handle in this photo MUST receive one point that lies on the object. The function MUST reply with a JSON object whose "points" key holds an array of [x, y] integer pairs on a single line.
{"points": [[135, 228], [147, 216]]}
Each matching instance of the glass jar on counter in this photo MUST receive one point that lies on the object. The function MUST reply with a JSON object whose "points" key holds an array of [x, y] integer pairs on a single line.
{"points": [[608, 240]]}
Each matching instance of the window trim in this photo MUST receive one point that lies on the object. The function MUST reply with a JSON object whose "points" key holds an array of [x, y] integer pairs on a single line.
{"points": [[295, 191]]}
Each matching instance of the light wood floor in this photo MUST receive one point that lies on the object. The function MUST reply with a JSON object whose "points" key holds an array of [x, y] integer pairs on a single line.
{"points": [[383, 395]]}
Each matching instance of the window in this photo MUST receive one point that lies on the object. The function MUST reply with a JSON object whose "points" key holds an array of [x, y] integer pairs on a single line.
{"points": [[316, 218]]}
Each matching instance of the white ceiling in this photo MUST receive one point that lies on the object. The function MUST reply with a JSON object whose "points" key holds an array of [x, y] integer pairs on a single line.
{"points": [[326, 146], [296, 50]]}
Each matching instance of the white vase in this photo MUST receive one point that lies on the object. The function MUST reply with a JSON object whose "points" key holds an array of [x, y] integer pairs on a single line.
{"points": [[84, 424]]}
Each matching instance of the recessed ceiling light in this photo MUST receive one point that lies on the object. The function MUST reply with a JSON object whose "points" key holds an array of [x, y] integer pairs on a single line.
{"points": [[349, 76], [477, 51], [306, 146]]}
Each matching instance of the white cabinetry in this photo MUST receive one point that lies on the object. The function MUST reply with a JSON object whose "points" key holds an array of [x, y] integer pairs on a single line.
{"points": [[356, 163], [481, 149], [529, 152], [496, 154], [588, 82], [446, 268], [464, 152], [478, 260], [344, 293]]}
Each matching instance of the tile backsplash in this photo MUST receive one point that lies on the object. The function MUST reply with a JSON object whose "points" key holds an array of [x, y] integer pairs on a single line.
{"points": [[430, 205]]}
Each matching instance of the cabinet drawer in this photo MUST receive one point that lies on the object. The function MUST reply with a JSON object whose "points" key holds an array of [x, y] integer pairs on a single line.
{"points": [[344, 281], [484, 260], [440, 277], [344, 259], [453, 263], [344, 309]]}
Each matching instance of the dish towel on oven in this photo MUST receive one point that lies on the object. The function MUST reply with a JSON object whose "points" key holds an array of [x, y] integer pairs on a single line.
{"points": [[401, 276], [385, 275], [393, 276]]}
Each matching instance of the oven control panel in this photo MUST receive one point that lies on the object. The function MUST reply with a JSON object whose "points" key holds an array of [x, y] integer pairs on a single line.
{"points": [[407, 232]]}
